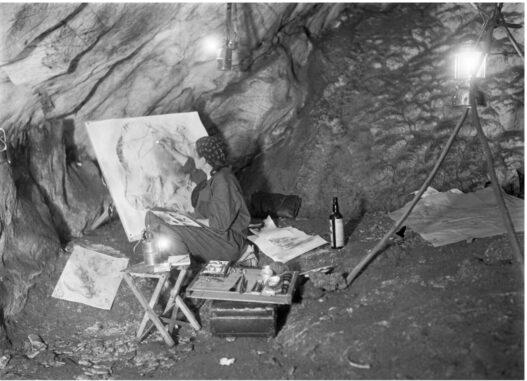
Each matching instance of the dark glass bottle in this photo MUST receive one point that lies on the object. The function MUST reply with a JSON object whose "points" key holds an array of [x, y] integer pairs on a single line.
{"points": [[336, 226]]}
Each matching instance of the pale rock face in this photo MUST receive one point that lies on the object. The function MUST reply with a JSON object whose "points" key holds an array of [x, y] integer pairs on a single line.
{"points": [[383, 112], [99, 61], [360, 111], [64, 64]]}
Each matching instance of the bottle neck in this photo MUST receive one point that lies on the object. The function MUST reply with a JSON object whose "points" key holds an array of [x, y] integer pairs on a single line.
{"points": [[335, 206]]}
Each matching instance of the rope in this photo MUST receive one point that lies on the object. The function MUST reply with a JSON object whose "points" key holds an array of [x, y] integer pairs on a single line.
{"points": [[511, 37], [3, 140], [234, 22], [228, 21]]}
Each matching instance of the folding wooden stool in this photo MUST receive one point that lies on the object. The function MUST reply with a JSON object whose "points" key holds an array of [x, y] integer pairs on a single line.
{"points": [[174, 302]]}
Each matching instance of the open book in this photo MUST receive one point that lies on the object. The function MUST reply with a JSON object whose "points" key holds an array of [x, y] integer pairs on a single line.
{"points": [[176, 218]]}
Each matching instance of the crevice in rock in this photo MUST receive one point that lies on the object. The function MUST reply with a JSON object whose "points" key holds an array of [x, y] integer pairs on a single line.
{"points": [[30, 47], [99, 82]]}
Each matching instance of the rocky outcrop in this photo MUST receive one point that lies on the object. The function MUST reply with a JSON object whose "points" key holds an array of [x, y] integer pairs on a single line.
{"points": [[64, 64], [96, 61], [361, 113], [380, 111], [27, 242], [73, 190]]}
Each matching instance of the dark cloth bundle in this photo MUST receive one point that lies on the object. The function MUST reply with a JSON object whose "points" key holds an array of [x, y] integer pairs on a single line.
{"points": [[276, 205]]}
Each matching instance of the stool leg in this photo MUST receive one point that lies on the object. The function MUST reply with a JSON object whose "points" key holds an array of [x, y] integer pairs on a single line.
{"points": [[172, 300], [151, 314], [153, 301], [175, 290], [188, 313]]}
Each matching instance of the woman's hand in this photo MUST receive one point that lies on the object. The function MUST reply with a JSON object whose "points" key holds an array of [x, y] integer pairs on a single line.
{"points": [[203, 221], [169, 147]]}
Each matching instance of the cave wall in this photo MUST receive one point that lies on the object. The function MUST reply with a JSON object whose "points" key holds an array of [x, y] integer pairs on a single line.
{"points": [[380, 111], [48, 199], [27, 242], [98, 61], [351, 100], [67, 63]]}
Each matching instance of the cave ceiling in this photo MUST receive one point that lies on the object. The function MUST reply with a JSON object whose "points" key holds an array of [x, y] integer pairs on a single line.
{"points": [[94, 61], [357, 95]]}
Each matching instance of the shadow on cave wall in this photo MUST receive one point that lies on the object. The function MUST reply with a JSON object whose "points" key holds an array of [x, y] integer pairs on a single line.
{"points": [[68, 138], [252, 176], [49, 197], [210, 126]]}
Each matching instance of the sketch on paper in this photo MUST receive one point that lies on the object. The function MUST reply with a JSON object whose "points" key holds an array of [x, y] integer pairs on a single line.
{"points": [[175, 218], [149, 162], [290, 243], [284, 244], [90, 278]]}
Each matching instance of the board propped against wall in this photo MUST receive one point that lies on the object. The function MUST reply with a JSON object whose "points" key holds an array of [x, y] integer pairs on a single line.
{"points": [[149, 162]]}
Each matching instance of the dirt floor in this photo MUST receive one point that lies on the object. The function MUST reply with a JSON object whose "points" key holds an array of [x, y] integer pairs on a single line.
{"points": [[454, 312]]}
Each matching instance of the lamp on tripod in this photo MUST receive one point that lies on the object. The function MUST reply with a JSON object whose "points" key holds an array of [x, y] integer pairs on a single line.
{"points": [[466, 61]]}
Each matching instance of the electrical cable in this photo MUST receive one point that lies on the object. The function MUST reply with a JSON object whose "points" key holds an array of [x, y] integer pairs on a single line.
{"points": [[234, 19], [3, 140], [4, 158], [228, 22], [494, 179], [487, 152], [511, 37]]}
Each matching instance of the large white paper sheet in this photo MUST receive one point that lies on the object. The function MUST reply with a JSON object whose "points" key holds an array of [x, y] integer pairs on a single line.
{"points": [[90, 278], [149, 162], [447, 217], [284, 244]]}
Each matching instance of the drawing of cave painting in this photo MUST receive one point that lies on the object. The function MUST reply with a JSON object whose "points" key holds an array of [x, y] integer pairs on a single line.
{"points": [[90, 278], [149, 162]]}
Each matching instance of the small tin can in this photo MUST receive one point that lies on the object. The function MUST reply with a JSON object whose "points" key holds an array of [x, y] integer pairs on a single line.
{"points": [[274, 282], [150, 254], [266, 273]]}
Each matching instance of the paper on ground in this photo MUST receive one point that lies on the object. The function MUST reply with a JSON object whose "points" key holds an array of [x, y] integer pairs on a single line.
{"points": [[284, 244], [90, 278], [447, 217]]}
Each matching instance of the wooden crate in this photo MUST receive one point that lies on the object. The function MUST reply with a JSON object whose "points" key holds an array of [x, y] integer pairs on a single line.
{"points": [[221, 288]]}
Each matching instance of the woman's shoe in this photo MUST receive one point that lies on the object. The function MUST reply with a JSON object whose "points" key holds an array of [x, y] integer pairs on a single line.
{"points": [[248, 258]]}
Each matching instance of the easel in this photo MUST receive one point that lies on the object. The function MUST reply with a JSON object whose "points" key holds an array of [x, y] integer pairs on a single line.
{"points": [[174, 302]]}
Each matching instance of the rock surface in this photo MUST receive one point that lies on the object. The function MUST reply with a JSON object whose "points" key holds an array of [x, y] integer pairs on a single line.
{"points": [[418, 312], [380, 112], [332, 99], [64, 64], [28, 242], [73, 190]]}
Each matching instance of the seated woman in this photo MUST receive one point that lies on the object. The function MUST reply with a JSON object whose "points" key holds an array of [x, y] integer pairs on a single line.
{"points": [[219, 206]]}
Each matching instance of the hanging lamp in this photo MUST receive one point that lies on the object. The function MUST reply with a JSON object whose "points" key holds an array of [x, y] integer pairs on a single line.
{"points": [[230, 43]]}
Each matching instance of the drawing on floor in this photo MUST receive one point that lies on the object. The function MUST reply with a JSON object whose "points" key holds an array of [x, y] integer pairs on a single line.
{"points": [[284, 244], [90, 278], [149, 162]]}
